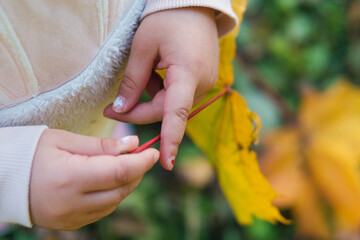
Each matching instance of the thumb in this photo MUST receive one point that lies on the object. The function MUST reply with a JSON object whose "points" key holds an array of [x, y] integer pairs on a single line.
{"points": [[136, 76]]}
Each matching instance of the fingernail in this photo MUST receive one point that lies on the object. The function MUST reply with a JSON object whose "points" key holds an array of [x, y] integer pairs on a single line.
{"points": [[156, 156], [119, 104], [125, 140], [171, 162], [124, 144]]}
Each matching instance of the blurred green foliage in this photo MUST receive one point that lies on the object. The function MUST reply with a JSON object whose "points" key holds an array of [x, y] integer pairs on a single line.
{"points": [[288, 44], [296, 43]]}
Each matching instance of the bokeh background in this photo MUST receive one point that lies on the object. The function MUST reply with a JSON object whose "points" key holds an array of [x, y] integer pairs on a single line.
{"points": [[284, 48]]}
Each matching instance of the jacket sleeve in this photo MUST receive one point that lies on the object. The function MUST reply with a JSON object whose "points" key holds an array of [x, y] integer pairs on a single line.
{"points": [[17, 149], [226, 19]]}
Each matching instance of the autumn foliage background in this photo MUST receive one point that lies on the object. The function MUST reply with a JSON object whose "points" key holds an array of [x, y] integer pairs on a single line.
{"points": [[297, 65]]}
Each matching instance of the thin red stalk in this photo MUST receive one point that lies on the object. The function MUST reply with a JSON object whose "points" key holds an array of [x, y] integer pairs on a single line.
{"points": [[196, 111], [147, 144]]}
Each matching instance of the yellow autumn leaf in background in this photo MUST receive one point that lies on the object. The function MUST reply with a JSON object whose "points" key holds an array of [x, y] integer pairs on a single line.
{"points": [[315, 164], [225, 131]]}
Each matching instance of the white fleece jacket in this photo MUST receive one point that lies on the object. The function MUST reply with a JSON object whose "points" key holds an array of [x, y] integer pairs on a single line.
{"points": [[18, 144]]}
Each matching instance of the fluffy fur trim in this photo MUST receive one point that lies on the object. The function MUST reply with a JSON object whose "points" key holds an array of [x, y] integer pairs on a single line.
{"points": [[79, 102]]}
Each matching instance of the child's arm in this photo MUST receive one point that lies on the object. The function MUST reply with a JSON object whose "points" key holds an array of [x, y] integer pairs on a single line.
{"points": [[75, 180], [183, 41]]}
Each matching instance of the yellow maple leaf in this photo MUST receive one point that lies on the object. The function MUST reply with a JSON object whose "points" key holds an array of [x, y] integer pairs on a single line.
{"points": [[225, 131], [321, 152]]}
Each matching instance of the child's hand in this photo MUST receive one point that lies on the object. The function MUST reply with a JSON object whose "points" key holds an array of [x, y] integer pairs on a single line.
{"points": [[77, 180], [183, 41]]}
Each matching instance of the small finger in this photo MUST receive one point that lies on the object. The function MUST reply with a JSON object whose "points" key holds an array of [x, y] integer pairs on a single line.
{"points": [[97, 215], [102, 200], [142, 113], [91, 146], [106, 172], [136, 75], [177, 105]]}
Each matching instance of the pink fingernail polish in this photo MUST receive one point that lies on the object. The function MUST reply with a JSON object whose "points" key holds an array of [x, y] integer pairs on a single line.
{"points": [[119, 104], [171, 162]]}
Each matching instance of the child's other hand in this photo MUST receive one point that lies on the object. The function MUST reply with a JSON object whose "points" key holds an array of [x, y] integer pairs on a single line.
{"points": [[77, 180], [185, 43]]}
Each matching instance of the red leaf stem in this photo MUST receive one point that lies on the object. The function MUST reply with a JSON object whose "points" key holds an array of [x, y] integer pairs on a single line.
{"points": [[147, 144], [196, 111]]}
